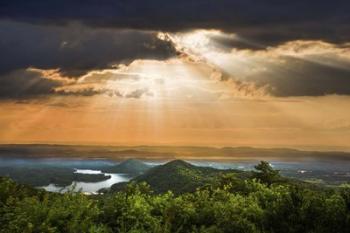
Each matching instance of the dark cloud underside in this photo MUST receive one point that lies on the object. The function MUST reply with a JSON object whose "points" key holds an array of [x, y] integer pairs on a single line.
{"points": [[263, 21], [23, 84], [299, 77], [75, 49]]}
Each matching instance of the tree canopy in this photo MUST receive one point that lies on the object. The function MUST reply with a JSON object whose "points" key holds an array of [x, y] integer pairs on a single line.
{"points": [[231, 204]]}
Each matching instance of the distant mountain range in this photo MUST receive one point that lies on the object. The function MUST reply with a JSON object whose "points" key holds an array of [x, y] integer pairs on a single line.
{"points": [[169, 153]]}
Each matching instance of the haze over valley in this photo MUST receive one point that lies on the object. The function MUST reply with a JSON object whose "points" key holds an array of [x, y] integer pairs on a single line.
{"points": [[92, 169]]}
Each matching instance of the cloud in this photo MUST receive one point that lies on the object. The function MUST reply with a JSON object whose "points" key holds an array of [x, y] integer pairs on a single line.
{"points": [[75, 49], [82, 91], [294, 68], [113, 83], [298, 77], [292, 48], [302, 68], [265, 22], [136, 94], [34, 83], [23, 84], [37, 59], [91, 90]]}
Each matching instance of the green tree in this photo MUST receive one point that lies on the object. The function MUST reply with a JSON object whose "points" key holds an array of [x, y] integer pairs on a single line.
{"points": [[265, 173]]}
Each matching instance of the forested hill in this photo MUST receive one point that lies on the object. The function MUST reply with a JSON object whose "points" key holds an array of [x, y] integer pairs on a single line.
{"points": [[179, 176], [130, 166], [229, 204]]}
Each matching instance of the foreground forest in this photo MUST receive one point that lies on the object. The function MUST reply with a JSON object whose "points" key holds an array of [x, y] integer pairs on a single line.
{"points": [[262, 202]]}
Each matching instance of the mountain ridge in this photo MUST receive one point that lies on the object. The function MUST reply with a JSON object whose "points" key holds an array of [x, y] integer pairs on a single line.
{"points": [[159, 153]]}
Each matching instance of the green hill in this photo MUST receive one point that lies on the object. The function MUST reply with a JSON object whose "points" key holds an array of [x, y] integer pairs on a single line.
{"points": [[130, 166], [178, 176]]}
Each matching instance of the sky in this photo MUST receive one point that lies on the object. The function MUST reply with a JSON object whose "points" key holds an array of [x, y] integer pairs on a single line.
{"points": [[261, 73]]}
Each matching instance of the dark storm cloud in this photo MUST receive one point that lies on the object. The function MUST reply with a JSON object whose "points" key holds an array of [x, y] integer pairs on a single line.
{"points": [[74, 49], [22, 84], [299, 77], [264, 22]]}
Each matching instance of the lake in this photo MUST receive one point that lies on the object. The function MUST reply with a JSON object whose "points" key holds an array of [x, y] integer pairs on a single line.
{"points": [[89, 187]]}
